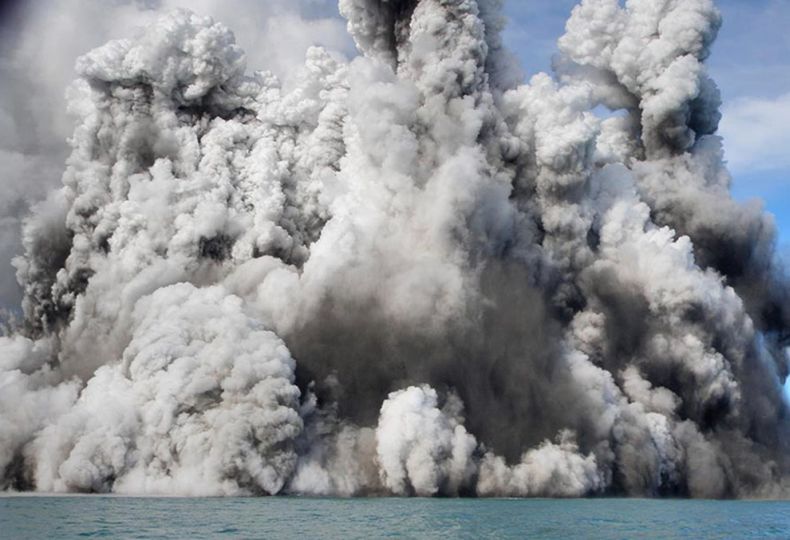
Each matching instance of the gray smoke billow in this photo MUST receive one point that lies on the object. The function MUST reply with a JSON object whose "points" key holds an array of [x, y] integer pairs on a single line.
{"points": [[405, 274]]}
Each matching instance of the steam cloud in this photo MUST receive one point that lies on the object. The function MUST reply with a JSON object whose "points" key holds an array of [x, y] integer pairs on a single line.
{"points": [[405, 274]]}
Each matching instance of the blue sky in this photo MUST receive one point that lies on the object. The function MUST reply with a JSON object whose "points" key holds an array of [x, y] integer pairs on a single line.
{"points": [[751, 64]]}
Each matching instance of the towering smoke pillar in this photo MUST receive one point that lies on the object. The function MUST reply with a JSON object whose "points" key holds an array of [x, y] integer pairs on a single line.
{"points": [[406, 274]]}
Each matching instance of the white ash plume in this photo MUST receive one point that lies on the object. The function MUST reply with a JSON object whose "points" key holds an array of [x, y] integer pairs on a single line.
{"points": [[405, 274], [422, 449], [201, 403]]}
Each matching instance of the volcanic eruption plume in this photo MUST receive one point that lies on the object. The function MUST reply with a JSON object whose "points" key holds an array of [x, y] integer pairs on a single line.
{"points": [[408, 274]]}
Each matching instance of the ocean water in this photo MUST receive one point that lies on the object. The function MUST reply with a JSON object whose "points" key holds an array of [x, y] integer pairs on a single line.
{"points": [[282, 517]]}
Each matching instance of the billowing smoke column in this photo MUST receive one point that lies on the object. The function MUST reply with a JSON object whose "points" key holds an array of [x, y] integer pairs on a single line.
{"points": [[408, 274]]}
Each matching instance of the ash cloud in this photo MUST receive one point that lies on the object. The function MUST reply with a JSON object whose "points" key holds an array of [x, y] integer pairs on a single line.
{"points": [[409, 273]]}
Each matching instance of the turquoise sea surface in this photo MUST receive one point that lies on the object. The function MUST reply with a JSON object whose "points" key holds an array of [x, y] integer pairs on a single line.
{"points": [[284, 517]]}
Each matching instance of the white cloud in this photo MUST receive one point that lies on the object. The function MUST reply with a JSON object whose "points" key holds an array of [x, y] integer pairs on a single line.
{"points": [[756, 133]]}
